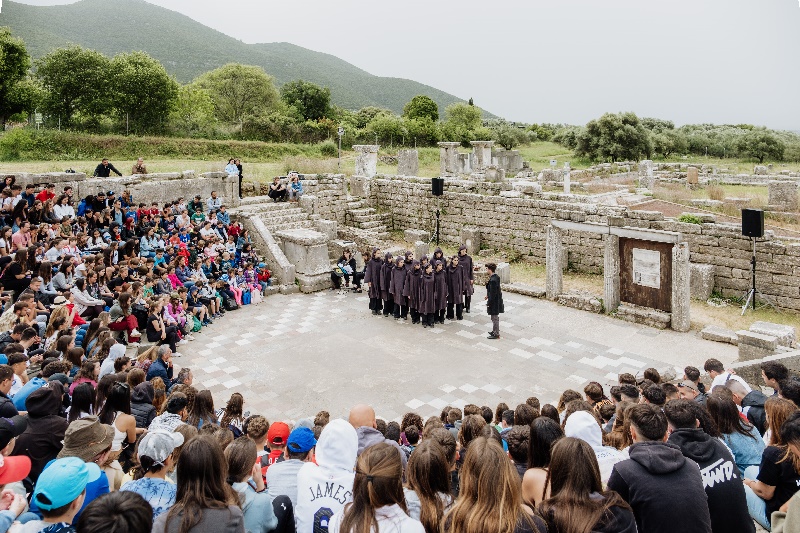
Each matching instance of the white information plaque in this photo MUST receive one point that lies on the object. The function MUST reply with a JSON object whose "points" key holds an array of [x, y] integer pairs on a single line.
{"points": [[647, 268]]}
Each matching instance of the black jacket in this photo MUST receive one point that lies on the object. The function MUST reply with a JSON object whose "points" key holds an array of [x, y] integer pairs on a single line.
{"points": [[494, 305], [101, 171], [142, 407], [755, 414], [664, 488], [44, 436], [727, 503], [7, 409]]}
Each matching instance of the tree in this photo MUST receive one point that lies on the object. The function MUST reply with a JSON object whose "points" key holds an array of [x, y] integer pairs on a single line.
{"points": [[508, 136], [422, 131], [312, 101], [240, 92], [14, 63], [365, 115], [421, 106], [760, 144], [25, 97], [193, 110], [614, 137], [76, 80], [386, 128], [142, 91], [669, 142], [462, 122], [657, 125]]}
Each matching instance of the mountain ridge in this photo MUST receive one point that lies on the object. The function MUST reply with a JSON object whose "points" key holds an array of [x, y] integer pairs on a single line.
{"points": [[188, 48]]}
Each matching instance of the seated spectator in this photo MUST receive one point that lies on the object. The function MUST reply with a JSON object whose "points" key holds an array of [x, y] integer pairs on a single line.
{"points": [[774, 373], [578, 501], [487, 465], [778, 478], [378, 502], [43, 439], [543, 434], [277, 190], [277, 436], [648, 480], [742, 438], [362, 417], [427, 493], [128, 511], [716, 370], [584, 426], [245, 477], [336, 454], [282, 476], [60, 494], [142, 407], [727, 504], [155, 453], [162, 366], [174, 415], [205, 501], [517, 440], [295, 188], [751, 404], [12, 471]]}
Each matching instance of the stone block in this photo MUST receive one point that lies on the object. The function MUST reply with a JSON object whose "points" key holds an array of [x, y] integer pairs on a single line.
{"points": [[337, 246], [524, 289], [366, 160], [719, 334], [681, 293], [748, 352], [359, 186], [783, 194], [527, 187], [511, 194], [314, 283], [307, 250], [326, 227], [471, 238], [407, 162], [759, 340], [760, 170], [786, 335], [581, 301], [646, 179], [421, 248], [504, 272], [494, 174], [291, 288], [414, 235], [555, 260], [644, 315], [692, 176], [701, 281]]}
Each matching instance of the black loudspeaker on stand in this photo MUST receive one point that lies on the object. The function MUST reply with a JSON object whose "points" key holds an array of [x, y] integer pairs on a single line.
{"points": [[437, 186], [753, 227]]}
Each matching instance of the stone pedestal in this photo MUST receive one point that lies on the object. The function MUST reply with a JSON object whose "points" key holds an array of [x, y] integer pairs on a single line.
{"points": [[327, 228], [783, 194], [307, 250], [692, 176], [611, 282], [754, 345], [554, 262], [359, 186], [448, 158], [407, 163], [481, 155], [421, 248], [366, 159], [701, 281], [493, 174], [646, 179], [471, 238], [681, 292], [504, 272]]}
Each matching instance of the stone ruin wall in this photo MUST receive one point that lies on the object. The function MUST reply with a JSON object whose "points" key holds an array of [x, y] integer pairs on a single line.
{"points": [[520, 224]]}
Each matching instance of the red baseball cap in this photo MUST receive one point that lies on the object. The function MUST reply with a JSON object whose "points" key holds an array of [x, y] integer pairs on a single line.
{"points": [[278, 433], [14, 468]]}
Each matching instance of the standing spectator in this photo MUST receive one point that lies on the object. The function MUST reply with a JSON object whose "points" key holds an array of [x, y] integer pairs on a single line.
{"points": [[727, 504], [238, 164], [230, 168], [494, 300], [204, 499], [578, 501], [658, 480], [155, 454], [335, 459], [139, 167], [104, 170]]}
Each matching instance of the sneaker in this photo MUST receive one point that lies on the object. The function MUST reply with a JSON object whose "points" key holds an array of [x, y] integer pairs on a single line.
{"points": [[182, 342], [177, 354], [133, 344], [493, 336], [189, 337], [135, 333]]}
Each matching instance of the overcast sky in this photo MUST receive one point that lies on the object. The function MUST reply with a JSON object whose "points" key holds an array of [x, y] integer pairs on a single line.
{"points": [[690, 61]]}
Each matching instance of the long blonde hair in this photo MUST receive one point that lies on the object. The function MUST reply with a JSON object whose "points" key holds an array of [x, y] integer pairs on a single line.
{"points": [[490, 494], [62, 311]]}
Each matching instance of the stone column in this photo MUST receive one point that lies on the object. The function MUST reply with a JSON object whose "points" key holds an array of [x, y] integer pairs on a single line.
{"points": [[783, 194], [567, 178], [366, 159], [471, 238], [482, 154], [554, 258], [646, 179], [448, 158], [611, 283], [681, 287], [407, 162]]}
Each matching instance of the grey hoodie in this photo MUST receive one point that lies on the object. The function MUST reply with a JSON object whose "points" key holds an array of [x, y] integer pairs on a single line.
{"points": [[324, 488], [368, 436]]}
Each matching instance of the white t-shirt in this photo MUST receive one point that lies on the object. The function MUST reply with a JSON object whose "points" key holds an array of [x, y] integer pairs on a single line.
{"points": [[16, 385], [724, 377]]}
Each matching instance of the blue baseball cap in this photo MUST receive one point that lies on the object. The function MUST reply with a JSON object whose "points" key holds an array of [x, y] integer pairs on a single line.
{"points": [[63, 481], [301, 440]]}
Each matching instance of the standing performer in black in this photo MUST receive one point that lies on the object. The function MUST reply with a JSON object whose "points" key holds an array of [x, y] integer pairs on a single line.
{"points": [[396, 287], [455, 289], [465, 262], [440, 277], [386, 279], [427, 297], [411, 290], [494, 300], [372, 277]]}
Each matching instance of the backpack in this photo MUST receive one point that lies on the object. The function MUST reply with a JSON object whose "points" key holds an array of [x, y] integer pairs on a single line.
{"points": [[196, 324], [246, 298], [230, 304], [81, 208]]}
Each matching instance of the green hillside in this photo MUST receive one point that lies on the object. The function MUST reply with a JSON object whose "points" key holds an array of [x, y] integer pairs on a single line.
{"points": [[188, 48]]}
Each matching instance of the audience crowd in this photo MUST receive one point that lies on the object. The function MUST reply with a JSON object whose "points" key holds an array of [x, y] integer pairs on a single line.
{"points": [[92, 440]]}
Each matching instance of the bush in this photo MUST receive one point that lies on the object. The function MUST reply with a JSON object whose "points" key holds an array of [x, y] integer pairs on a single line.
{"points": [[690, 219], [328, 149], [715, 192]]}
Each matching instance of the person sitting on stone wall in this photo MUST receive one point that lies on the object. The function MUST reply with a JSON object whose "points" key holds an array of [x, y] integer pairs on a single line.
{"points": [[277, 190]]}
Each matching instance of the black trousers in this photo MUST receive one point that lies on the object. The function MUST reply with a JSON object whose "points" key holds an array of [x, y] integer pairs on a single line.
{"points": [[440, 316], [467, 300], [414, 316], [358, 277], [375, 305], [240, 185], [388, 306], [428, 319], [400, 311], [459, 311]]}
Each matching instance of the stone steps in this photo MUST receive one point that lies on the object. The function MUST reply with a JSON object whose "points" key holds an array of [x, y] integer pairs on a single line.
{"points": [[254, 200], [368, 218], [361, 211], [373, 224]]}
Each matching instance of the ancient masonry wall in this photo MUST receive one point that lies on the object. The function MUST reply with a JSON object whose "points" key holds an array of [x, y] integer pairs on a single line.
{"points": [[520, 224]]}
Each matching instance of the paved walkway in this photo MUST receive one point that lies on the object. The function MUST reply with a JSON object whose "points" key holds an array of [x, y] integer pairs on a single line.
{"points": [[292, 356]]}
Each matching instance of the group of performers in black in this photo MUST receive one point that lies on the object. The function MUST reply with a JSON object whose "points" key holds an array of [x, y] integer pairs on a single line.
{"points": [[430, 290]]}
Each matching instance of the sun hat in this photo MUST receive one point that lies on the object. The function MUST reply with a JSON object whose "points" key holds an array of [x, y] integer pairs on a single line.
{"points": [[301, 440], [158, 444], [59, 300], [63, 481], [85, 438]]}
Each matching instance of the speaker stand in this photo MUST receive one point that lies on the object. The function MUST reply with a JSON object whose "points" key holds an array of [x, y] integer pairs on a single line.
{"points": [[435, 233], [753, 292]]}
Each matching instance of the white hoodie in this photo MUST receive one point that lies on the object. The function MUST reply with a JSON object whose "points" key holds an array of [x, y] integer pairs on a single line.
{"points": [[582, 425], [324, 488]]}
